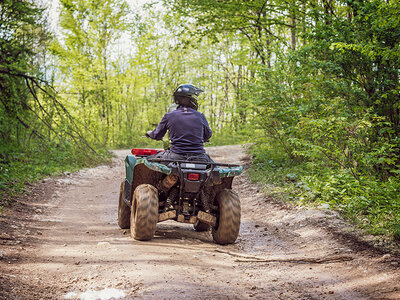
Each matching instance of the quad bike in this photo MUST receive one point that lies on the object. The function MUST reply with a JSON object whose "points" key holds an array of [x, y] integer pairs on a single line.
{"points": [[194, 192]]}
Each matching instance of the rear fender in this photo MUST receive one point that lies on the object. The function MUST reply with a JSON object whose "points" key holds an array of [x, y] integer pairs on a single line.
{"points": [[229, 171], [226, 183], [140, 171]]}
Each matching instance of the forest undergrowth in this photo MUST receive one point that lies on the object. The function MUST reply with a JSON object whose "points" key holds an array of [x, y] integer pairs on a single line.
{"points": [[367, 202], [21, 166]]}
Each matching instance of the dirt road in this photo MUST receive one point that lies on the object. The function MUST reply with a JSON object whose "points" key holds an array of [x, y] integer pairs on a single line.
{"points": [[71, 248]]}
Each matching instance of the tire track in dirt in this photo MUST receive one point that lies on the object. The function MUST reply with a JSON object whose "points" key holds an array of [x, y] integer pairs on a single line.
{"points": [[75, 247]]}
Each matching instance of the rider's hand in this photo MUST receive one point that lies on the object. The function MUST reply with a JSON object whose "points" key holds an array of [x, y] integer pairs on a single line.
{"points": [[148, 133]]}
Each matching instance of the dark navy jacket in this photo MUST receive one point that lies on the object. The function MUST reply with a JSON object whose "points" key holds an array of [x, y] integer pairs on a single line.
{"points": [[188, 130]]}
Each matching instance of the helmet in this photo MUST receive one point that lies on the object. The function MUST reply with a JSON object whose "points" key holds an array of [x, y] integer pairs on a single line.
{"points": [[186, 95]]}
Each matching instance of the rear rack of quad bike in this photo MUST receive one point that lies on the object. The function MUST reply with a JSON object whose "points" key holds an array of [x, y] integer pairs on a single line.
{"points": [[191, 162]]}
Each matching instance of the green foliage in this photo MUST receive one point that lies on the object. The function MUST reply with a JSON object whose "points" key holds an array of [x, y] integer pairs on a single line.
{"points": [[372, 203], [323, 99], [228, 137], [272, 165], [369, 201], [39, 136], [21, 31], [19, 166], [117, 97]]}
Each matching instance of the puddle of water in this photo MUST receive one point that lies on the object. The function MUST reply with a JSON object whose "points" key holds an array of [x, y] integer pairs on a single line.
{"points": [[105, 294]]}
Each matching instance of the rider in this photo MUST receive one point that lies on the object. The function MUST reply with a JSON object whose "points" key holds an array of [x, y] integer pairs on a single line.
{"points": [[188, 128]]}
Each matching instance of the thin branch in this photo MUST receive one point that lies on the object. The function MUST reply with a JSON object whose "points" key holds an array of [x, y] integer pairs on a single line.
{"points": [[300, 260], [59, 106], [34, 131]]}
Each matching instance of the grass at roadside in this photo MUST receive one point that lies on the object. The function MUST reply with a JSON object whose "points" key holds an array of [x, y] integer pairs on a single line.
{"points": [[372, 204], [228, 137], [19, 167]]}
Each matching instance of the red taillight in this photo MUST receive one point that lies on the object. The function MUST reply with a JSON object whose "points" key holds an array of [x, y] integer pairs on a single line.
{"points": [[193, 176], [145, 151]]}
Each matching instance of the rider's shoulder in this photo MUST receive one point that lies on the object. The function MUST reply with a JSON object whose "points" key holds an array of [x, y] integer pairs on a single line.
{"points": [[182, 111]]}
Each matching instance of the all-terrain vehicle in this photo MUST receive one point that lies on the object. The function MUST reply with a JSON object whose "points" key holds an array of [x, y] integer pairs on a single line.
{"points": [[194, 192]]}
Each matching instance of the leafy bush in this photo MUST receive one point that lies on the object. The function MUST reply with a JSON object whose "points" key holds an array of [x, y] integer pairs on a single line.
{"points": [[373, 203], [369, 201]]}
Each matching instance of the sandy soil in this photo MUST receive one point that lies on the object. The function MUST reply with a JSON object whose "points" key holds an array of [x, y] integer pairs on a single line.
{"points": [[63, 242]]}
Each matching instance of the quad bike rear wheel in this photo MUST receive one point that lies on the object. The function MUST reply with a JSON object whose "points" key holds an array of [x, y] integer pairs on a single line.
{"points": [[124, 211], [144, 212], [200, 226], [228, 221]]}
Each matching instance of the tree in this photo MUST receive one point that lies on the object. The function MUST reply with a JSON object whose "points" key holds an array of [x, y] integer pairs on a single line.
{"points": [[90, 28], [22, 31]]}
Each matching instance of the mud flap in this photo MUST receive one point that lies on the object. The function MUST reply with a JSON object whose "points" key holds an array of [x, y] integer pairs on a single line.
{"points": [[168, 215], [207, 218], [181, 219]]}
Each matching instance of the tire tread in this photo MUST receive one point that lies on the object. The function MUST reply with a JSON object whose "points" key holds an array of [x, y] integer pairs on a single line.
{"points": [[124, 212], [144, 212], [228, 226]]}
